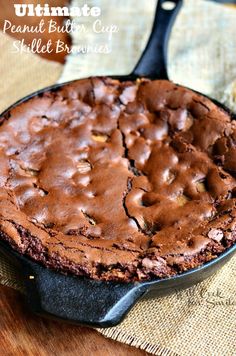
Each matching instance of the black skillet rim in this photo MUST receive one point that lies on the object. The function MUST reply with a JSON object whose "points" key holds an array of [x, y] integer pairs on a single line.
{"points": [[131, 77]]}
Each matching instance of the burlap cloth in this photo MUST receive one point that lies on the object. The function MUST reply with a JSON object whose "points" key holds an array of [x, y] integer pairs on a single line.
{"points": [[201, 320]]}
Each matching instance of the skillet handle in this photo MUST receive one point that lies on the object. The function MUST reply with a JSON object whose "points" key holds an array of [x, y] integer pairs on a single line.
{"points": [[153, 62], [82, 301]]}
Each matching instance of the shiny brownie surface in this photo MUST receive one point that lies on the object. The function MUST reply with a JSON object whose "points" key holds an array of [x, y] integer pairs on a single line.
{"points": [[118, 181]]}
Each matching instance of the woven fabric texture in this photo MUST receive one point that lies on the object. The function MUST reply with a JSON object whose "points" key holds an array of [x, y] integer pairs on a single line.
{"points": [[201, 52], [23, 73]]}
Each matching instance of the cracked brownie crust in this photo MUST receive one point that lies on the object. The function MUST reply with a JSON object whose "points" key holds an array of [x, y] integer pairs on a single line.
{"points": [[118, 181]]}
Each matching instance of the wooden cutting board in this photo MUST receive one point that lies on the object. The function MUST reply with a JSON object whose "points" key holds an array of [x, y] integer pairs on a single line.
{"points": [[25, 334]]}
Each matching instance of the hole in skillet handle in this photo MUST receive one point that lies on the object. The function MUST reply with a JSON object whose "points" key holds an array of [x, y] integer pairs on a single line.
{"points": [[168, 5], [152, 63]]}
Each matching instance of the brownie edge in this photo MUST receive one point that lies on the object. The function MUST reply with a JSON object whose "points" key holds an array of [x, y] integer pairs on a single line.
{"points": [[114, 180]]}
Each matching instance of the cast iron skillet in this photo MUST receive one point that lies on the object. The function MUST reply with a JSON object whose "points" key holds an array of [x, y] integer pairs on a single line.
{"points": [[99, 303]]}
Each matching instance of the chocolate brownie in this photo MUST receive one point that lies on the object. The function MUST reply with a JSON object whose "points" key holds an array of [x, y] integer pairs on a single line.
{"points": [[118, 180]]}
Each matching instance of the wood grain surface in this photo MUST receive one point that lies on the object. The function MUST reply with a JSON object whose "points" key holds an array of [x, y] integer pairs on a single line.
{"points": [[25, 334]]}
